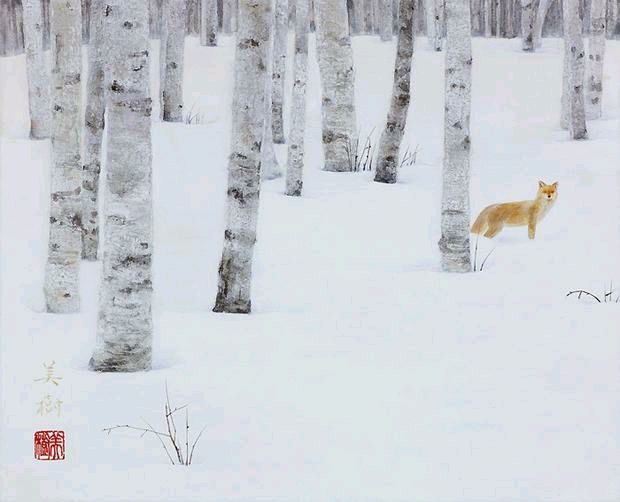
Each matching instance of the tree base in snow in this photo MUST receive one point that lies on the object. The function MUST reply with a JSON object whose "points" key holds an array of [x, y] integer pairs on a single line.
{"points": [[232, 307], [128, 362], [62, 304], [453, 258]]}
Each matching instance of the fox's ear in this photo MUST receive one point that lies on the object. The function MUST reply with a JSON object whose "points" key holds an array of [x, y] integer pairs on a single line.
{"points": [[541, 184], [555, 184]]}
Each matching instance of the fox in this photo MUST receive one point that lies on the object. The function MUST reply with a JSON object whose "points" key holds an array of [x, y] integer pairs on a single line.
{"points": [[493, 218]]}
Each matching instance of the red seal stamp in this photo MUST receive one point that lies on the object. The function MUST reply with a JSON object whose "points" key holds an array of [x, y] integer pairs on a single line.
{"points": [[49, 445]]}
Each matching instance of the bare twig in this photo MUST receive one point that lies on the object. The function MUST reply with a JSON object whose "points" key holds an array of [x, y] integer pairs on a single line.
{"points": [[186, 437], [161, 441], [191, 455], [476, 252], [579, 292], [485, 260]]}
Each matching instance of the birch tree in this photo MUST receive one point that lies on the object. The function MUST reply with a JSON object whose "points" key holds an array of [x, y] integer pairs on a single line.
{"points": [[249, 95], [36, 70], [573, 105], [280, 43], [229, 16], [337, 82], [435, 19], [124, 329], [62, 273], [208, 23], [596, 56], [295, 158], [539, 20], [528, 17], [454, 242], [174, 19], [93, 132], [391, 138], [385, 17]]}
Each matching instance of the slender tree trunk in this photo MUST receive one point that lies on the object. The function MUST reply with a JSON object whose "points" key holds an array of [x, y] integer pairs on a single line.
{"points": [[171, 60], [124, 330], [367, 6], [385, 16], [280, 45], [337, 81], [596, 56], [376, 13], [229, 20], [62, 274], [539, 20], [155, 18], [295, 160], [252, 51], [454, 242], [498, 18], [476, 17], [487, 17], [36, 69], [573, 105], [391, 138], [270, 169], [208, 23], [528, 17], [93, 132]]}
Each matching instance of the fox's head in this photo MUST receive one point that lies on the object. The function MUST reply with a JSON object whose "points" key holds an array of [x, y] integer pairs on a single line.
{"points": [[547, 192]]}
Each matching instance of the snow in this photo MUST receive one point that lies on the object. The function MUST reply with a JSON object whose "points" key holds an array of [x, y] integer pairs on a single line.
{"points": [[363, 372]]}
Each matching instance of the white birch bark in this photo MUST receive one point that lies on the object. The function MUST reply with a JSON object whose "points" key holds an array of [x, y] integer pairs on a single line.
{"points": [[376, 12], [476, 17], [337, 83], [435, 23], [270, 168], [280, 45], [174, 16], [596, 56], [454, 242], [249, 95], [358, 21], [367, 9], [539, 21], [498, 17], [208, 23], [528, 16], [573, 99], [388, 157], [295, 158], [229, 16], [124, 329], [93, 132], [36, 70], [385, 16], [487, 17], [62, 273]]}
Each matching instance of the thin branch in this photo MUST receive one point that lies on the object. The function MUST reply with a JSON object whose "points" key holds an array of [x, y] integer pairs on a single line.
{"points": [[171, 426], [186, 436], [161, 441], [582, 291], [476, 252], [485, 260], [110, 429], [191, 455]]}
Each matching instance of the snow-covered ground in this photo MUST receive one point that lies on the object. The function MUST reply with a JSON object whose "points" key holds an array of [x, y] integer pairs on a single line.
{"points": [[363, 372]]}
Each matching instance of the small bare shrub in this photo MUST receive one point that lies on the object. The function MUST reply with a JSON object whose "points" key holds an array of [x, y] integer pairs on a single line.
{"points": [[607, 296], [360, 160]]}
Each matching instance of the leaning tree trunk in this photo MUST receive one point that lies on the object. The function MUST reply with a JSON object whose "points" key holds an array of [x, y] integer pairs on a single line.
{"points": [[385, 14], [573, 105], [454, 242], [62, 273], [295, 160], [528, 16], [36, 69], [93, 132], [539, 20], [124, 330], [208, 23], [596, 56], [389, 145], [174, 18], [249, 95], [337, 82], [280, 44]]}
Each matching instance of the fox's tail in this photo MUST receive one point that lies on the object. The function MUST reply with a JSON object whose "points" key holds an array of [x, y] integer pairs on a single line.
{"points": [[480, 224]]}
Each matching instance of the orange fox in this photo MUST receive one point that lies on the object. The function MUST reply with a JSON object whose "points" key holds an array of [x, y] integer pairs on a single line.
{"points": [[513, 214]]}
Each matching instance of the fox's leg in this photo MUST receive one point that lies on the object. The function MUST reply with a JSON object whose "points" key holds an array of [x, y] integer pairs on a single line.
{"points": [[531, 227], [495, 227]]}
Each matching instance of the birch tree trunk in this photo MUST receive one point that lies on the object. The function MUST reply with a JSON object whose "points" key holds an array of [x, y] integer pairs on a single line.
{"points": [[436, 9], [487, 17], [124, 330], [454, 242], [391, 138], [596, 56], [270, 168], [376, 12], [528, 17], [93, 132], [337, 82], [385, 16], [367, 6], [62, 273], [208, 23], [539, 21], [280, 45], [573, 105], [295, 159], [476, 17], [229, 19], [174, 18], [252, 50], [36, 69], [498, 17]]}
